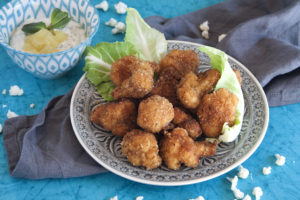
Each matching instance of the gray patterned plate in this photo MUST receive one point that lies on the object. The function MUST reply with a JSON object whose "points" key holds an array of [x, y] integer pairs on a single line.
{"points": [[106, 149]]}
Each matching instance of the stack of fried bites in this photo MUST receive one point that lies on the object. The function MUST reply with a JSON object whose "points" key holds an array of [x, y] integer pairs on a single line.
{"points": [[163, 119]]}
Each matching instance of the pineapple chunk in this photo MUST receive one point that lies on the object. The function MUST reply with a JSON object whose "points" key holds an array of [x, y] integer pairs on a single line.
{"points": [[44, 41]]}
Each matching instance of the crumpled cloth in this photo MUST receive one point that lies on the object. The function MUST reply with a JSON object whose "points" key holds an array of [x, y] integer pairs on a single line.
{"points": [[262, 34]]}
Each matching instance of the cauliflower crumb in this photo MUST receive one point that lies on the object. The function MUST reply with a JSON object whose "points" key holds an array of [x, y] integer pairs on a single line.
{"points": [[15, 91], [0, 128], [4, 106], [205, 34], [238, 194], [267, 170], [233, 181], [243, 172], [103, 5], [221, 37], [114, 198], [112, 22], [32, 105], [198, 198], [280, 160], [204, 26], [4, 92], [11, 114], [257, 192], [121, 8], [139, 198], [119, 28], [247, 197]]}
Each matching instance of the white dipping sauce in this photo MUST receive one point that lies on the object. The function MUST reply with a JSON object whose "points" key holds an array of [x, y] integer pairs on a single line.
{"points": [[76, 35]]}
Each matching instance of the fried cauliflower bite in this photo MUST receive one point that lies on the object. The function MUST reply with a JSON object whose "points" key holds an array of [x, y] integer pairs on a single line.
{"points": [[177, 147], [180, 115], [117, 117], [166, 85], [192, 127], [238, 76], [184, 120], [133, 77], [155, 113], [215, 109], [192, 87], [141, 149], [183, 61]]}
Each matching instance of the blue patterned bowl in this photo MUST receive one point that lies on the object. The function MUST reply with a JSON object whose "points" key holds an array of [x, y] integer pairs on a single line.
{"points": [[46, 66]]}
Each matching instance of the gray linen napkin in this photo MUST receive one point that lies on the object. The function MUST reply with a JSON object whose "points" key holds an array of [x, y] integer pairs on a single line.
{"points": [[45, 146], [262, 34]]}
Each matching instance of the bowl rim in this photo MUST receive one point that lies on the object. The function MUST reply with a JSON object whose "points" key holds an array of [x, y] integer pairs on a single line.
{"points": [[60, 52]]}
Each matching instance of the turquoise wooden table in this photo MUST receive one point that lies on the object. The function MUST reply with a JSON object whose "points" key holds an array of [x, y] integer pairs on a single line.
{"points": [[283, 135]]}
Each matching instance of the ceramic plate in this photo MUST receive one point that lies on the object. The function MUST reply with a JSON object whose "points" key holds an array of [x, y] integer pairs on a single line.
{"points": [[105, 148]]}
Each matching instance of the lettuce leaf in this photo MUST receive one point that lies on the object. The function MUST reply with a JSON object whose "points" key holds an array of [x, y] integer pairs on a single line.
{"points": [[228, 80], [98, 61], [151, 43]]}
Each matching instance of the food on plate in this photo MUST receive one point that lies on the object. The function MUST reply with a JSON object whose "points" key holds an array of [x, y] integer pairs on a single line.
{"points": [[177, 147], [192, 87], [184, 120], [229, 81], [155, 113], [215, 110], [175, 103], [192, 127], [117, 117], [181, 115], [183, 61], [141, 149], [133, 77], [166, 85], [36, 37]]}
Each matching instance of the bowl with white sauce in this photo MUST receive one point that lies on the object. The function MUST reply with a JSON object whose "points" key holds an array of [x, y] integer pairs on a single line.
{"points": [[51, 51]]}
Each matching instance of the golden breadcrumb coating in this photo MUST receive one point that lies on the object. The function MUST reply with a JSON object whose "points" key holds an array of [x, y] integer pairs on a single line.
{"points": [[154, 113], [183, 61], [177, 147], [166, 85], [215, 109], [180, 115], [141, 149], [192, 87], [192, 127], [117, 117], [133, 77]]}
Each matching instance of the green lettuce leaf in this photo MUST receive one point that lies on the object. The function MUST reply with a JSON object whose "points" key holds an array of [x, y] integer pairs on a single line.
{"points": [[151, 43], [228, 80], [98, 61]]}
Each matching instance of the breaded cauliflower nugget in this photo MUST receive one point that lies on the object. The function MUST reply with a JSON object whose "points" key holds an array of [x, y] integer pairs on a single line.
{"points": [[215, 109], [180, 115], [183, 61], [154, 113], [117, 117], [166, 85], [184, 120], [192, 127], [191, 88], [141, 149], [133, 77], [177, 147]]}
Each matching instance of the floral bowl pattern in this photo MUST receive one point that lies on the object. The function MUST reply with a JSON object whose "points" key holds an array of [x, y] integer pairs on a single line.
{"points": [[46, 66]]}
